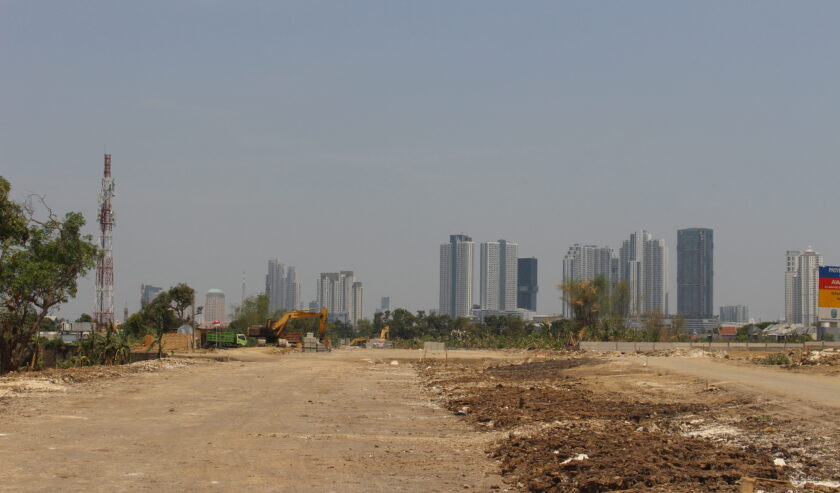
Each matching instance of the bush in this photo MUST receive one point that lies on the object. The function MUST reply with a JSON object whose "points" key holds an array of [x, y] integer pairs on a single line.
{"points": [[110, 348], [775, 359]]}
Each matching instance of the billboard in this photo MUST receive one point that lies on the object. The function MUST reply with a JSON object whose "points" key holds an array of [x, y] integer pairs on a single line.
{"points": [[829, 296]]}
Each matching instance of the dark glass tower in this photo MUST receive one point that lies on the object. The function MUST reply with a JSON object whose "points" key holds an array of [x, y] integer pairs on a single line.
{"points": [[695, 273], [526, 289]]}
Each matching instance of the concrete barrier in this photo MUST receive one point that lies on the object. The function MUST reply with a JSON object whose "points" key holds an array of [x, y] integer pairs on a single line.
{"points": [[632, 347]]}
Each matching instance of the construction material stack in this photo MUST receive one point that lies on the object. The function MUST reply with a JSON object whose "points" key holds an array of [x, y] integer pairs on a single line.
{"points": [[311, 344]]}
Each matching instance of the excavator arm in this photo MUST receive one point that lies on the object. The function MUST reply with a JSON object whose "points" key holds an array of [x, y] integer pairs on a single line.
{"points": [[279, 326]]}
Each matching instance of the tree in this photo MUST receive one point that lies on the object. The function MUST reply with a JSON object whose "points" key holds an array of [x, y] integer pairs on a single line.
{"points": [[40, 263], [363, 328], [160, 315], [252, 311], [182, 298], [84, 317], [584, 298], [168, 311], [653, 325], [403, 324]]}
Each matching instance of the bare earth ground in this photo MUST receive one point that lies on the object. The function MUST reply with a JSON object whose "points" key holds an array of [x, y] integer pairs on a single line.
{"points": [[611, 422], [352, 421], [340, 421]]}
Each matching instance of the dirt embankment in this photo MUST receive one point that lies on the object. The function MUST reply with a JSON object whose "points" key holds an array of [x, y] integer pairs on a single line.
{"points": [[569, 429], [60, 379]]}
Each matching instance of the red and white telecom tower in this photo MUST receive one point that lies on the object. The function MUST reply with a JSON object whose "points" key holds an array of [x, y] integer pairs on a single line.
{"points": [[103, 314]]}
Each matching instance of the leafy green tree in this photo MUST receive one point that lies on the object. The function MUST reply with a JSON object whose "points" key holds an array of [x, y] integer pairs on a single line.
{"points": [[252, 311], [136, 325], [339, 330], [168, 311], [363, 328], [84, 317], [160, 316], [182, 299], [403, 324], [381, 319], [40, 263]]}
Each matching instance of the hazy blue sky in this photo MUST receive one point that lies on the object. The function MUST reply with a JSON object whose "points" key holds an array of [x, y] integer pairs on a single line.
{"points": [[359, 135]]}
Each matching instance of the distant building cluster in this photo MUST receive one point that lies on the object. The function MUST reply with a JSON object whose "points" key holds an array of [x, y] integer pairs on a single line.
{"points": [[506, 285], [734, 313], [641, 263], [341, 294], [281, 287]]}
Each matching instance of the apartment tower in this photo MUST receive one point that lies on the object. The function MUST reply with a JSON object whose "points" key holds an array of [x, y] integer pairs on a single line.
{"points": [[456, 276], [214, 306], [499, 274]]}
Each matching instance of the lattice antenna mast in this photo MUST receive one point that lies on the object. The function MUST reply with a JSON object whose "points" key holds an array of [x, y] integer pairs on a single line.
{"points": [[103, 314]]}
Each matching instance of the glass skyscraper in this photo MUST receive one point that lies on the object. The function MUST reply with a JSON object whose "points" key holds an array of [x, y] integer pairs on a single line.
{"points": [[695, 273]]}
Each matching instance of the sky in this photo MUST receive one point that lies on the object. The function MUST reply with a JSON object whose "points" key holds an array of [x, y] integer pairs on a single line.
{"points": [[360, 135]]}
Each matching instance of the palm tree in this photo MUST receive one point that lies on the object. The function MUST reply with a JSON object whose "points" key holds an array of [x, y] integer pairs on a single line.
{"points": [[584, 298]]}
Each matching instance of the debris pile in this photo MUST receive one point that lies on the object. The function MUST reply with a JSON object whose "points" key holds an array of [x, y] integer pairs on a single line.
{"points": [[59, 379], [565, 435]]}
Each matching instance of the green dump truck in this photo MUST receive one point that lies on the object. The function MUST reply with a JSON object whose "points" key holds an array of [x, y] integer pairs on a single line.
{"points": [[225, 339]]}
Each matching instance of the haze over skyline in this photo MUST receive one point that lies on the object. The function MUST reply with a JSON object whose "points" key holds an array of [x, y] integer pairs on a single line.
{"points": [[359, 136]]}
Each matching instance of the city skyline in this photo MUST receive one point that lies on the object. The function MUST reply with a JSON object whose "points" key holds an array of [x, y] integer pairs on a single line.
{"points": [[341, 294], [222, 138]]}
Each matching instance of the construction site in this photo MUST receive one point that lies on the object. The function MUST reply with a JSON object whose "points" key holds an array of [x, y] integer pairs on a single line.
{"points": [[370, 419]]}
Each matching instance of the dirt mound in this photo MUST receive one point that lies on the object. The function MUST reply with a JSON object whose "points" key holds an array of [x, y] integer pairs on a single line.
{"points": [[503, 407], [825, 357], [539, 369], [580, 458], [57, 379], [567, 433]]}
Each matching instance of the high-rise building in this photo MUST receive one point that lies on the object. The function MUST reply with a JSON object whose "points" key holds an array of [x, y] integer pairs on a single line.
{"points": [[357, 302], [526, 296], [802, 279], [456, 276], [341, 295], [807, 286], [791, 300], [498, 275], [734, 313], [585, 263], [642, 264], [214, 306], [148, 293], [695, 273], [385, 303], [281, 287]]}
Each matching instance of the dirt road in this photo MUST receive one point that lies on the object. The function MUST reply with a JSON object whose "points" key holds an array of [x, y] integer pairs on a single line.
{"points": [[297, 422], [819, 389]]}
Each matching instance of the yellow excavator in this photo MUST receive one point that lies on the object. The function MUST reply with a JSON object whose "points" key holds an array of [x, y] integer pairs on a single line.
{"points": [[278, 327], [383, 335]]}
